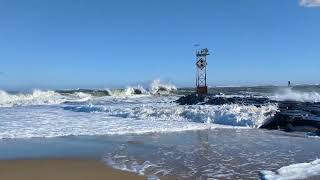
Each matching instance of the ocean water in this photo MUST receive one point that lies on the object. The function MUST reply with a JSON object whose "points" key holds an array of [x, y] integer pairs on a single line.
{"points": [[155, 135]]}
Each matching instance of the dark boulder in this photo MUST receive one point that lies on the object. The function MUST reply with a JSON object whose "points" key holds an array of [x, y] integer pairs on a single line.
{"points": [[137, 91], [191, 99]]}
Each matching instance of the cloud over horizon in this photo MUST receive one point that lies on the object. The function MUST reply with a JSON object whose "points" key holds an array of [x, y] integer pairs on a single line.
{"points": [[310, 3]]}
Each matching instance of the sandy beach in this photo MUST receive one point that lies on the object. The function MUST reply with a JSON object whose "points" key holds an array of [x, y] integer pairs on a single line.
{"points": [[62, 169]]}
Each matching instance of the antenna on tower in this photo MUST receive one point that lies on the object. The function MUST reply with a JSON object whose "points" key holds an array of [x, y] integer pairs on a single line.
{"points": [[201, 64]]}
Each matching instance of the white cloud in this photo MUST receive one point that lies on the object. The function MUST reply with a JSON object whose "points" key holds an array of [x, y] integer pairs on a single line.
{"points": [[310, 3]]}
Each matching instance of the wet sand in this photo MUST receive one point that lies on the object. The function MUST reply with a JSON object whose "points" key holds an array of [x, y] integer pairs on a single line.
{"points": [[62, 169], [216, 153]]}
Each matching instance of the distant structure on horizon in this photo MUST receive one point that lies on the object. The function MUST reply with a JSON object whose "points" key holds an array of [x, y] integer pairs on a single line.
{"points": [[201, 65], [289, 83]]}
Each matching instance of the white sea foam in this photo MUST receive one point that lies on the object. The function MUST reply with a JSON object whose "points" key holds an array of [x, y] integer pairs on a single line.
{"points": [[123, 164], [139, 114], [95, 115], [24, 122], [81, 97], [233, 114], [294, 171], [289, 94]]}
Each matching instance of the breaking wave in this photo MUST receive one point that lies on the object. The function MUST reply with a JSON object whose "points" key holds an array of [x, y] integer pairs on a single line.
{"points": [[40, 97], [129, 91], [233, 114], [37, 97], [127, 117], [158, 87], [290, 95], [91, 92]]}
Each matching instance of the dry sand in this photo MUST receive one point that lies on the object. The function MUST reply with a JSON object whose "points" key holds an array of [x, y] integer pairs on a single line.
{"points": [[61, 170]]}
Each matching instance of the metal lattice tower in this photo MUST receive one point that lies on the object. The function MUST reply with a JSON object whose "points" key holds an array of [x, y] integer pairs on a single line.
{"points": [[201, 64]]}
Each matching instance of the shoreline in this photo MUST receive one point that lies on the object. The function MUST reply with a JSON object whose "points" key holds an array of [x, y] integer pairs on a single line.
{"points": [[225, 153], [62, 169]]}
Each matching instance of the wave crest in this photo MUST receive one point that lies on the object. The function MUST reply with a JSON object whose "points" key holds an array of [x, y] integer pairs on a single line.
{"points": [[290, 95]]}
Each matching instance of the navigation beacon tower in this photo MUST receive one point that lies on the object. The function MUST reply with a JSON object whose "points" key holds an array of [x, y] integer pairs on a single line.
{"points": [[201, 64]]}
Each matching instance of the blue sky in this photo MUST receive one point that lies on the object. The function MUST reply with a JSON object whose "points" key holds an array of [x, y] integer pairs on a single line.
{"points": [[114, 43]]}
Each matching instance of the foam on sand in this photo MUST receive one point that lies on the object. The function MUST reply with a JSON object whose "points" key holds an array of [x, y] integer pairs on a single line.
{"points": [[294, 171]]}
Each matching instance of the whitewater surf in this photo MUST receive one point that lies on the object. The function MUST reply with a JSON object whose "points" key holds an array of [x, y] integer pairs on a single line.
{"points": [[154, 131]]}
